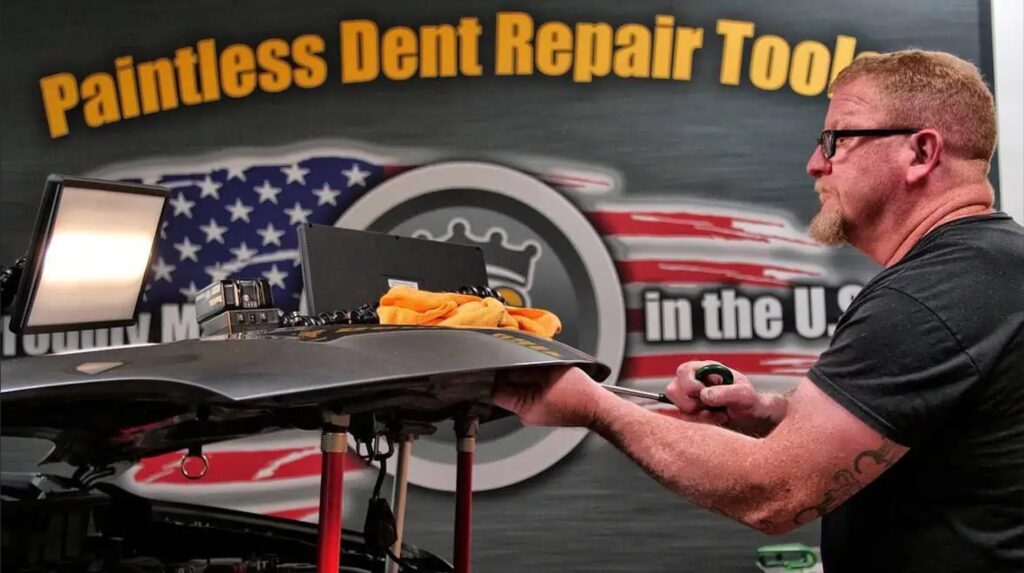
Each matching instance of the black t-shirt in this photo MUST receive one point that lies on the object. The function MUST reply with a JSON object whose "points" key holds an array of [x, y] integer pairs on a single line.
{"points": [[931, 355]]}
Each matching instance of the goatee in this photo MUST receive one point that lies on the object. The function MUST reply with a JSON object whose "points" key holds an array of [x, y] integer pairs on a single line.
{"points": [[828, 228]]}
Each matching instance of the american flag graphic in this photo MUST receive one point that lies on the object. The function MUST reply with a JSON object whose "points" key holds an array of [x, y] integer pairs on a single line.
{"points": [[241, 221], [237, 217]]}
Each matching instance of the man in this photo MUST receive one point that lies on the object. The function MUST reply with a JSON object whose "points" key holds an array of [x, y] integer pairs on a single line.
{"points": [[907, 435]]}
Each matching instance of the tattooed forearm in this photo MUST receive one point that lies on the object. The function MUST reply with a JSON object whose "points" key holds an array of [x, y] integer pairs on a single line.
{"points": [[883, 456], [846, 485], [846, 482]]}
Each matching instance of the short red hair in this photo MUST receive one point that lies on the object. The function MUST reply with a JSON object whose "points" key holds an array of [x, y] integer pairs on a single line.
{"points": [[932, 89]]}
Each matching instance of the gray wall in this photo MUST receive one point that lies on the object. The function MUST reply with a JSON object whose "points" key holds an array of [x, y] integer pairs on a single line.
{"points": [[668, 141]]}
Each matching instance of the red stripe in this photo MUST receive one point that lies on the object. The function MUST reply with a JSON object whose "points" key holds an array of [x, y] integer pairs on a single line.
{"points": [[635, 320], [684, 224], [577, 181], [240, 466], [664, 365], [703, 272], [296, 513], [392, 170]]}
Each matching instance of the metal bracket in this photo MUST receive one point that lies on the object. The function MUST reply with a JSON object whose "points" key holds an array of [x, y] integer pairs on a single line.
{"points": [[195, 452]]}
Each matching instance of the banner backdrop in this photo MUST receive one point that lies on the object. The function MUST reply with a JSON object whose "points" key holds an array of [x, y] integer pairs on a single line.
{"points": [[637, 169]]}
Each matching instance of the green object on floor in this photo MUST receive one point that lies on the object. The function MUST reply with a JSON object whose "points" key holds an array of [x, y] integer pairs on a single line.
{"points": [[788, 556]]}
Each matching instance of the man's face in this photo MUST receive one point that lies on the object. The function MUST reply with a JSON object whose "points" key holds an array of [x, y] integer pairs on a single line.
{"points": [[853, 185]]}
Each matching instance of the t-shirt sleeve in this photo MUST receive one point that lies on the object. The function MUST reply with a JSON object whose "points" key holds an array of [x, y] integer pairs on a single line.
{"points": [[896, 366]]}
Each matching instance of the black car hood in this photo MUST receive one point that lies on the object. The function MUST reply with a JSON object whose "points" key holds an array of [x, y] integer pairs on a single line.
{"points": [[121, 404]]}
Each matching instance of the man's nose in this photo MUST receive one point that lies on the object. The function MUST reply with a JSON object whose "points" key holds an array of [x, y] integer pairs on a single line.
{"points": [[817, 165]]}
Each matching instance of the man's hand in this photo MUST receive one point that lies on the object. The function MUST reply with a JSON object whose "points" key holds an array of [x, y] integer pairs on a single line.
{"points": [[746, 410], [562, 397]]}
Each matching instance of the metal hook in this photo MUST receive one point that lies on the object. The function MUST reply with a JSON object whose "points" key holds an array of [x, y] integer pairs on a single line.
{"points": [[195, 452], [391, 446]]}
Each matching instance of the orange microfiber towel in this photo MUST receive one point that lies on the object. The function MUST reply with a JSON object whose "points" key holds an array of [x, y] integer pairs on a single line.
{"points": [[406, 305]]}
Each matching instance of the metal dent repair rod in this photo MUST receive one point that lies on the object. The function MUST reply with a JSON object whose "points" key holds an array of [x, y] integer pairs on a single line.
{"points": [[465, 432], [702, 374]]}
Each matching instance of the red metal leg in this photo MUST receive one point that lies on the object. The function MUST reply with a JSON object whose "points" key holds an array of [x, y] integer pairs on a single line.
{"points": [[333, 443], [466, 433]]}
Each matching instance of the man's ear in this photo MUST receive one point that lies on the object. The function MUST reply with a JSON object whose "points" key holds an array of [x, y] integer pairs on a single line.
{"points": [[926, 147]]}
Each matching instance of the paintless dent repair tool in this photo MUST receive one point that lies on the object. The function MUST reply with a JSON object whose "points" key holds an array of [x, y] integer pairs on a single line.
{"points": [[702, 374]]}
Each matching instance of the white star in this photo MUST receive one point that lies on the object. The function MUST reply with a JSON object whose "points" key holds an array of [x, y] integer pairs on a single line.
{"points": [[216, 272], [187, 250], [209, 188], [297, 214], [190, 292], [267, 192], [275, 277], [239, 211], [214, 232], [243, 252], [162, 270], [182, 205], [270, 235], [355, 176], [238, 172], [163, 229], [295, 174], [326, 195]]}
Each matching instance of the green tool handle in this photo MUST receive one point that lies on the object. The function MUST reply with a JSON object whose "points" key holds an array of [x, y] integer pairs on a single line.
{"points": [[703, 373]]}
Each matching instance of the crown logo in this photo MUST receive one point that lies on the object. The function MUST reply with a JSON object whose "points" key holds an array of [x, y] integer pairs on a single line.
{"points": [[505, 262]]}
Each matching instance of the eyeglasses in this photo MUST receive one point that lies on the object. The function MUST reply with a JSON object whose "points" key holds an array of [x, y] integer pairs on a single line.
{"points": [[828, 138]]}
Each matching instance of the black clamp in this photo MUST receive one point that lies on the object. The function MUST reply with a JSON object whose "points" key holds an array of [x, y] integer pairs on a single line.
{"points": [[365, 314], [9, 279], [482, 292]]}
